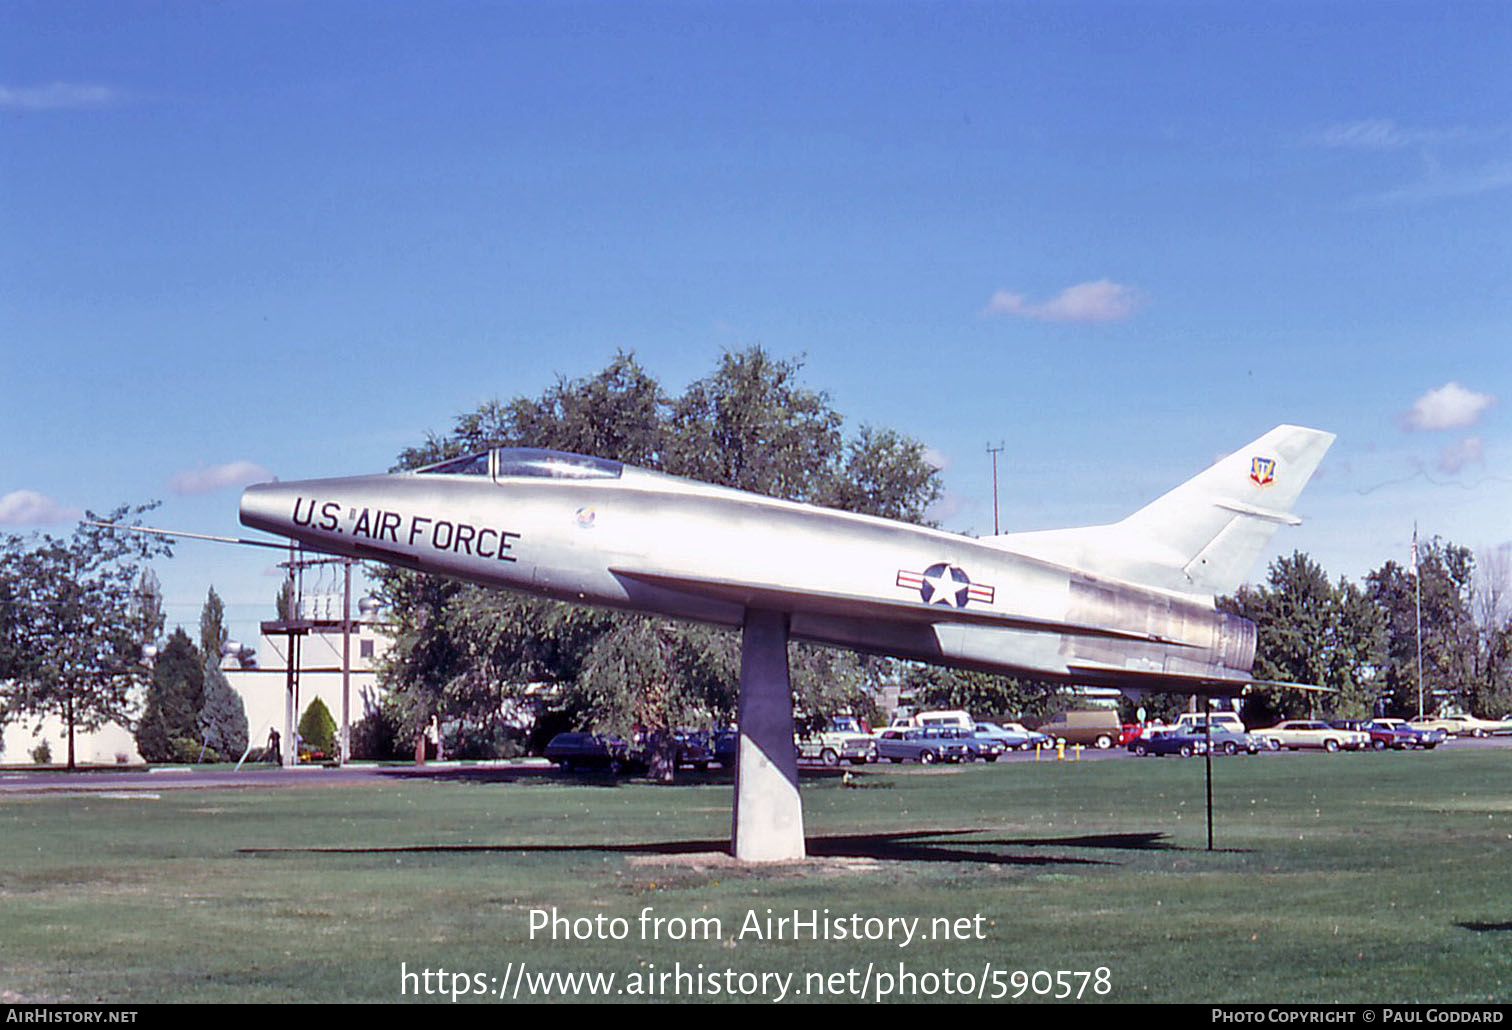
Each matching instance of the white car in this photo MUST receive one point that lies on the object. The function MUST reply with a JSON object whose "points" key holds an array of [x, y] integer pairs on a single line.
{"points": [[1461, 725], [1299, 733], [1193, 722]]}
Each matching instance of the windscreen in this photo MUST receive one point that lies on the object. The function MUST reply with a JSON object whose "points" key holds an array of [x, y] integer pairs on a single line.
{"points": [[471, 465]]}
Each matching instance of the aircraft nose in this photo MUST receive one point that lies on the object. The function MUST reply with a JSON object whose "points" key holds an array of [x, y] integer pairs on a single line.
{"points": [[269, 507]]}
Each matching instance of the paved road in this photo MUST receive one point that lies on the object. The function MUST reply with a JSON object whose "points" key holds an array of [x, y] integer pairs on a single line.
{"points": [[25, 780]]}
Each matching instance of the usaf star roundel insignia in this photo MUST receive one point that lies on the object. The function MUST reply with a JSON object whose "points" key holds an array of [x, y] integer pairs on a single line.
{"points": [[945, 584]]}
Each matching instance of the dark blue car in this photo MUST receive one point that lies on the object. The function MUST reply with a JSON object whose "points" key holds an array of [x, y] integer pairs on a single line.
{"points": [[1169, 742]]}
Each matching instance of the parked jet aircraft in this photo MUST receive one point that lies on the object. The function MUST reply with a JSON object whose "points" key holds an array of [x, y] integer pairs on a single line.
{"points": [[1128, 605]]}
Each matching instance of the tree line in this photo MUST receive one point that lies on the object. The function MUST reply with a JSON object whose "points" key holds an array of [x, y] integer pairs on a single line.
{"points": [[1361, 641], [76, 613], [466, 654], [191, 713], [80, 621]]}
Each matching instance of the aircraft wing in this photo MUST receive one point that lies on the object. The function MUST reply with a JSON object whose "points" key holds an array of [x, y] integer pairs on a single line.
{"points": [[778, 597], [1118, 677]]}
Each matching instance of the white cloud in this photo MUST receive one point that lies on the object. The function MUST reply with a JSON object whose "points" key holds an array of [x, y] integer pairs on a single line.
{"points": [[1100, 301], [29, 508], [1451, 406], [937, 458], [1469, 451], [1384, 134], [218, 477], [1438, 186], [58, 96], [945, 507]]}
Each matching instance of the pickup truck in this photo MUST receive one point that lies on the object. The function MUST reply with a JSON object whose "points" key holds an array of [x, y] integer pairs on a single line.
{"points": [[840, 740]]}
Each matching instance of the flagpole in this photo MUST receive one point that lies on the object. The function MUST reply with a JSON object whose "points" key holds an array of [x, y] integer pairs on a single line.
{"points": [[1418, 582]]}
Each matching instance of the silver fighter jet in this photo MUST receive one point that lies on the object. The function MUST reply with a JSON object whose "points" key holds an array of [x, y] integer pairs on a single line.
{"points": [[1128, 605]]}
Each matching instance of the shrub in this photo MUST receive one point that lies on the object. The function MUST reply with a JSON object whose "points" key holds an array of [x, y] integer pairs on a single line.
{"points": [[317, 730], [375, 737]]}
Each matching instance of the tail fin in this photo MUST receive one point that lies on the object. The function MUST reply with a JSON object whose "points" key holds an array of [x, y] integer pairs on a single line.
{"points": [[1205, 535]]}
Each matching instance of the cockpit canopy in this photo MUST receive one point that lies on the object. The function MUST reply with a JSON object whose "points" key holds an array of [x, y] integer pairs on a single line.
{"points": [[529, 462]]}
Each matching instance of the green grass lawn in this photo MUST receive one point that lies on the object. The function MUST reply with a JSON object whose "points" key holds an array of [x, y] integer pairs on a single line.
{"points": [[1338, 878]]}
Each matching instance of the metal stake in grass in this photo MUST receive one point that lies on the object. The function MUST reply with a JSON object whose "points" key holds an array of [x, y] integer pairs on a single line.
{"points": [[1207, 730]]}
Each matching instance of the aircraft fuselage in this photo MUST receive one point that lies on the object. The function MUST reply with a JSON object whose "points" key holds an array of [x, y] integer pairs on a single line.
{"points": [[627, 538]]}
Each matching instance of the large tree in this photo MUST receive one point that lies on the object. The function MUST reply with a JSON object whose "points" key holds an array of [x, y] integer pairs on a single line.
{"points": [[1315, 632], [987, 696], [751, 424], [75, 621], [1464, 643], [213, 633], [222, 721], [168, 730], [191, 713], [619, 413], [1491, 608]]}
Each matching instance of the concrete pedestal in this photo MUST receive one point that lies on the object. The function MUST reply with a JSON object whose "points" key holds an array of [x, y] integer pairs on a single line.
{"points": [[768, 822]]}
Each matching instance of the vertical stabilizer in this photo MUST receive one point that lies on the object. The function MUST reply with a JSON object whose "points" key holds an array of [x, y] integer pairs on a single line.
{"points": [[1205, 535]]}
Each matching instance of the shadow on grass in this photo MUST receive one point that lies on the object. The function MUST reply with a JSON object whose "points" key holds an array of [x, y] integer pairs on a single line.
{"points": [[864, 777], [551, 774], [1486, 927], [911, 846]]}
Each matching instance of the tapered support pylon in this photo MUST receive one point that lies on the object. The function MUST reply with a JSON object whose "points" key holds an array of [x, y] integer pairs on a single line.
{"points": [[768, 822]]}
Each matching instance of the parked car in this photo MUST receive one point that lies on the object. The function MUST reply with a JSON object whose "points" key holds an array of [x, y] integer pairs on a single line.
{"points": [[956, 717], [1096, 726], [1381, 738], [1313, 733], [694, 748], [983, 747], [1404, 735], [1034, 738], [1462, 725], [723, 746], [1195, 721], [1012, 739], [1169, 742], [840, 740], [1227, 742], [923, 745], [572, 751]]}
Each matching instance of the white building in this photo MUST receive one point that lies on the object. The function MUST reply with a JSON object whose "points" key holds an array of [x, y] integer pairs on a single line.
{"points": [[319, 645], [262, 689], [112, 744]]}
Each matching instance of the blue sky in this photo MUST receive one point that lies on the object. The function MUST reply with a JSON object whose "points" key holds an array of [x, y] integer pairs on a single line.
{"points": [[1122, 238]]}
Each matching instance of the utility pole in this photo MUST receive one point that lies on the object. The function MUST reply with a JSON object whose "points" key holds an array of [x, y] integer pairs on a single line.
{"points": [[1417, 579], [345, 749], [293, 625], [994, 452]]}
